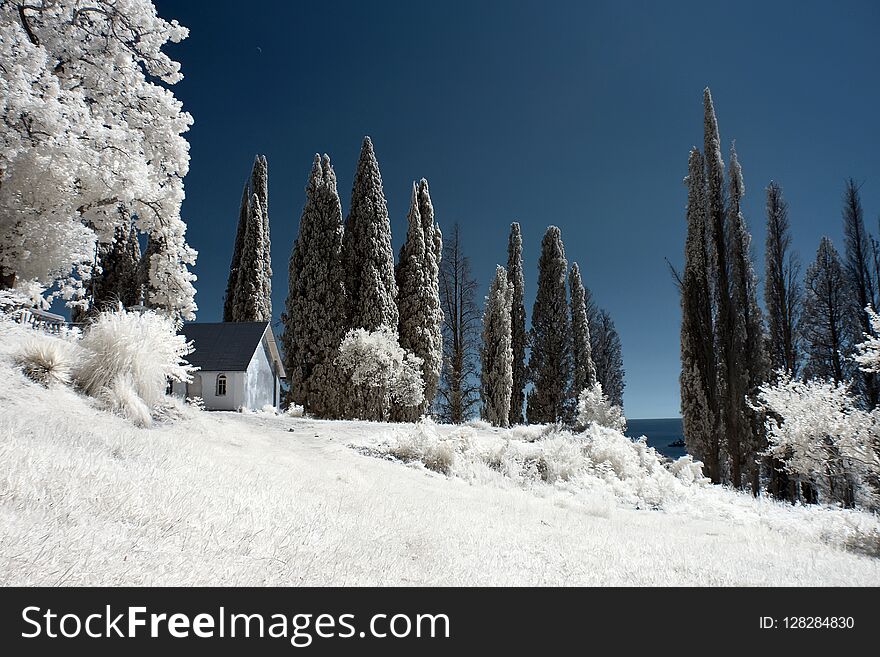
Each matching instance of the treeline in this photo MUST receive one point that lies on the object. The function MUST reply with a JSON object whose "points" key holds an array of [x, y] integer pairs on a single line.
{"points": [[734, 354], [365, 337]]}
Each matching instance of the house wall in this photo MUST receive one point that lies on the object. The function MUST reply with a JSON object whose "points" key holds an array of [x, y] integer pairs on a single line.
{"points": [[260, 381], [231, 401]]}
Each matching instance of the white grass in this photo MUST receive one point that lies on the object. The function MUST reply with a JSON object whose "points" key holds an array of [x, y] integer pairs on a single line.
{"points": [[239, 499]]}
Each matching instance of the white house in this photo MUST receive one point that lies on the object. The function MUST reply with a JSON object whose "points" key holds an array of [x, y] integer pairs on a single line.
{"points": [[239, 366]]}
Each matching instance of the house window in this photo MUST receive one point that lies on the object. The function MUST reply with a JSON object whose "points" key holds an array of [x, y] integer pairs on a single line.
{"points": [[221, 385]]}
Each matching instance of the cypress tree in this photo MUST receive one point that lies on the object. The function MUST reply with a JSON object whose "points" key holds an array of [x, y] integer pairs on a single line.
{"points": [[235, 264], [249, 303], [496, 353], [433, 356], [516, 280], [550, 358], [418, 297], [260, 188], [366, 249], [314, 315], [583, 370], [699, 397], [730, 417], [748, 339], [371, 291]]}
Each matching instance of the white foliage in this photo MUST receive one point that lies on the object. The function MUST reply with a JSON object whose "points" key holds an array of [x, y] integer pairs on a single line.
{"points": [[601, 461], [868, 352], [816, 429], [593, 407], [142, 348], [374, 359], [46, 359], [120, 396], [89, 125]]}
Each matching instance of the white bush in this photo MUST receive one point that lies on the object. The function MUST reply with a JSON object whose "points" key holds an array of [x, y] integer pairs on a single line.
{"points": [[599, 462], [131, 353], [121, 397], [595, 408], [816, 429], [46, 359], [295, 410], [375, 359]]}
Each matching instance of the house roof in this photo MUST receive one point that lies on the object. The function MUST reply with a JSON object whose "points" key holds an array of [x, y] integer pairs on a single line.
{"points": [[228, 346]]}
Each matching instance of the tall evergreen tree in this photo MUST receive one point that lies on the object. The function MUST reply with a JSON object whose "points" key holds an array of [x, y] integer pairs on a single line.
{"points": [[550, 358], [366, 249], [516, 280], [858, 257], [235, 264], [496, 354], [748, 341], [782, 297], [731, 420], [314, 316], [583, 370], [606, 350], [371, 291], [249, 305], [608, 357], [260, 188], [699, 395], [826, 321], [782, 292], [418, 296], [458, 392]]}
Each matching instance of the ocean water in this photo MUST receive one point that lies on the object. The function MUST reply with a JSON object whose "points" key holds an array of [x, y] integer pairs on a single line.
{"points": [[660, 433]]}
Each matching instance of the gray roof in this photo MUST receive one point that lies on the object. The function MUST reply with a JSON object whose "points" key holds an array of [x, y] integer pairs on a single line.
{"points": [[224, 346]]}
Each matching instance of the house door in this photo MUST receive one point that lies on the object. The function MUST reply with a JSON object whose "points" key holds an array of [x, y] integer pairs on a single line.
{"points": [[194, 389]]}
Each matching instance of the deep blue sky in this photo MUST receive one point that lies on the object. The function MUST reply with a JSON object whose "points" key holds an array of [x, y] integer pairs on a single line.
{"points": [[575, 114]]}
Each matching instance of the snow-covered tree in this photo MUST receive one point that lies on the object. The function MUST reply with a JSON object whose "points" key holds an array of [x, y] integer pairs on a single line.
{"points": [[858, 255], [699, 397], [374, 361], [817, 430], [516, 280], [314, 315], [826, 321], [89, 125], [250, 304], [583, 370], [496, 353], [550, 357], [418, 295], [366, 249], [458, 393], [234, 265], [593, 407]]}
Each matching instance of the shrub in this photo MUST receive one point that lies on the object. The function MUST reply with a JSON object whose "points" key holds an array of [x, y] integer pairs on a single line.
{"points": [[127, 353], [375, 360], [595, 408], [45, 359]]}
